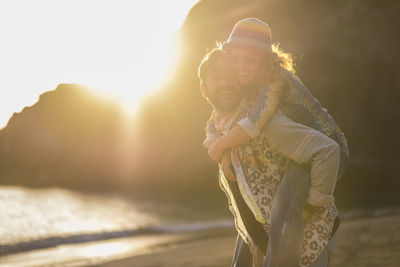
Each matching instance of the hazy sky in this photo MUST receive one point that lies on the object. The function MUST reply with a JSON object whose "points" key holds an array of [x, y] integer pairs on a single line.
{"points": [[118, 47]]}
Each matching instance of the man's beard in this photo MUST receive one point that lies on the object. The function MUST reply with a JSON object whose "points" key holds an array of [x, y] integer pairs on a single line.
{"points": [[225, 104]]}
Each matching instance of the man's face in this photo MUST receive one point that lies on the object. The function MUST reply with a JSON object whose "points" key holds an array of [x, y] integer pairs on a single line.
{"points": [[245, 63], [222, 90]]}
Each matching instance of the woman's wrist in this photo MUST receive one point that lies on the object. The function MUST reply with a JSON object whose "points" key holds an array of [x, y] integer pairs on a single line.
{"points": [[236, 136]]}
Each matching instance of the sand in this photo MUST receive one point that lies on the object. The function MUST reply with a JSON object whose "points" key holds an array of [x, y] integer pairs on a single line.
{"points": [[366, 241]]}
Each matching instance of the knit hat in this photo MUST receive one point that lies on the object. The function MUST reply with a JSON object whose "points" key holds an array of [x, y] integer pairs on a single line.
{"points": [[250, 33]]}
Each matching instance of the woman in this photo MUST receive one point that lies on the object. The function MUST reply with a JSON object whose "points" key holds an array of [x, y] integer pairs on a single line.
{"points": [[257, 63]]}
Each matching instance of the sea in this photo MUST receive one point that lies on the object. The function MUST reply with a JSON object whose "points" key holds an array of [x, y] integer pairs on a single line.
{"points": [[42, 218]]}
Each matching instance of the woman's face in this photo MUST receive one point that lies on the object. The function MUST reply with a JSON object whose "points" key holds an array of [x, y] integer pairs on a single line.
{"points": [[245, 63]]}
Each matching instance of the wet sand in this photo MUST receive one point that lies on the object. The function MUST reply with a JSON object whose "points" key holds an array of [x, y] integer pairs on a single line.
{"points": [[201, 252], [364, 241]]}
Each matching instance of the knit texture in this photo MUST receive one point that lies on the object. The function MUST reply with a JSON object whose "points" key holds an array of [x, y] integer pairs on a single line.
{"points": [[250, 33]]}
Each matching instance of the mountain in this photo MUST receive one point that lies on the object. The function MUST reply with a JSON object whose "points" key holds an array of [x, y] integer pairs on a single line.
{"points": [[69, 133]]}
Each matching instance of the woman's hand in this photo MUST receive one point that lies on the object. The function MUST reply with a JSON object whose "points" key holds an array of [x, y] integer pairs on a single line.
{"points": [[236, 136], [216, 149], [225, 166]]}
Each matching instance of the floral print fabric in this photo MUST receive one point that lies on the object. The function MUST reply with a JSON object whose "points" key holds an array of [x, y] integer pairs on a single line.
{"points": [[264, 169]]}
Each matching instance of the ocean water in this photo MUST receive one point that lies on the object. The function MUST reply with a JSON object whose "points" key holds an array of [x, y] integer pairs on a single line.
{"points": [[44, 218]]}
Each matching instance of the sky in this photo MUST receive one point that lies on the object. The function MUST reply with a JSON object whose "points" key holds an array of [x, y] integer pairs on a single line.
{"points": [[119, 48]]}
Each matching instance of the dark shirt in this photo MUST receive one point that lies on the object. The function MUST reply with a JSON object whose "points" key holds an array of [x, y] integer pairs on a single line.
{"points": [[253, 227]]}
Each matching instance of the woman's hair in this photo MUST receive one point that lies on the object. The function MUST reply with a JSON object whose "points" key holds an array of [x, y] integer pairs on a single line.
{"points": [[273, 72], [274, 69], [284, 59], [274, 66]]}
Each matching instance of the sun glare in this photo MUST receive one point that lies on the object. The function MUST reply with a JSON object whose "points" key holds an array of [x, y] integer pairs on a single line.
{"points": [[123, 48]]}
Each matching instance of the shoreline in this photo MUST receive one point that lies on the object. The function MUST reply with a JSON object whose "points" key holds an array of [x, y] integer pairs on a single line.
{"points": [[363, 241], [211, 250], [110, 252]]}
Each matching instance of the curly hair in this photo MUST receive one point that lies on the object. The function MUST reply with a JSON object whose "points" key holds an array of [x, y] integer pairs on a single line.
{"points": [[285, 59], [275, 66]]}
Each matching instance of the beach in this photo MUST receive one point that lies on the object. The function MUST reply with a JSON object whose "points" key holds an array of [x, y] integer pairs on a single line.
{"points": [[370, 240], [59, 227]]}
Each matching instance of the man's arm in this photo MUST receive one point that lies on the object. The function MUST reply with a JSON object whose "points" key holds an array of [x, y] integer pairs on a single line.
{"points": [[305, 145]]}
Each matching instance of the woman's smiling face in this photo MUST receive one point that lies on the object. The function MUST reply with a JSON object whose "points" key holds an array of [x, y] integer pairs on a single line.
{"points": [[245, 64]]}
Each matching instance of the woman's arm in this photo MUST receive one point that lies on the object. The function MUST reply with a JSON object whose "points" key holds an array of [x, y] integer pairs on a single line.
{"points": [[236, 136], [249, 127]]}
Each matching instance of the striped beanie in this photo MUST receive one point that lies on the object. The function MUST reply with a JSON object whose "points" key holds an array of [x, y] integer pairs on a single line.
{"points": [[250, 33]]}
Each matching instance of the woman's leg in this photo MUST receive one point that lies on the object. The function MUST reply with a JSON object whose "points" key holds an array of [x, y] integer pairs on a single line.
{"points": [[326, 256]]}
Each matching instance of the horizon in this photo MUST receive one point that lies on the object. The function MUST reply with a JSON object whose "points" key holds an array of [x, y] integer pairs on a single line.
{"points": [[103, 45]]}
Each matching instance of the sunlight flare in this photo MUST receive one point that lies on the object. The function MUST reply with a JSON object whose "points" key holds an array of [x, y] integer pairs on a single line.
{"points": [[123, 48]]}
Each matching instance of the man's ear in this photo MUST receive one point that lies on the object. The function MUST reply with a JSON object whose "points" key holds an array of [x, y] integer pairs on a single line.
{"points": [[204, 91]]}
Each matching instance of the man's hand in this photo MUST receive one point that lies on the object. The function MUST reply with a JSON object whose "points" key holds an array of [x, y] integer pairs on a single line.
{"points": [[216, 149], [225, 166]]}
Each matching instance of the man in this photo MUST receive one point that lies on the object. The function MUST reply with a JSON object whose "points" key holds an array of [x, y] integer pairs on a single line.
{"points": [[257, 180]]}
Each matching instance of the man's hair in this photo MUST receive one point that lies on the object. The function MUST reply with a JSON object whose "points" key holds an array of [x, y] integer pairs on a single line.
{"points": [[208, 62]]}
